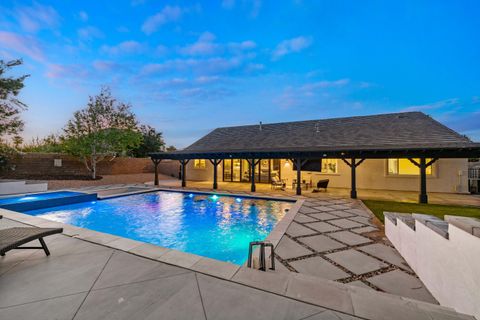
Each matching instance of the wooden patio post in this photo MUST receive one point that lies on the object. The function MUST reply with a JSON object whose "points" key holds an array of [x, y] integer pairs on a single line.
{"points": [[215, 163], [423, 197], [184, 162], [353, 191], [299, 176], [353, 164], [252, 175], [156, 162]]}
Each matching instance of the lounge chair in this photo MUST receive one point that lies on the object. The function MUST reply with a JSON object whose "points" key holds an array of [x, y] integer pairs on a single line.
{"points": [[13, 238], [277, 183], [321, 184]]}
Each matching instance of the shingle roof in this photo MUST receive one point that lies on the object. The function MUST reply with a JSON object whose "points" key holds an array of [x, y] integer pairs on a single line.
{"points": [[384, 131]]}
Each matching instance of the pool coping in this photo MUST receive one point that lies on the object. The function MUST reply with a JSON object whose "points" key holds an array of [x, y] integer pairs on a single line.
{"points": [[308, 289]]}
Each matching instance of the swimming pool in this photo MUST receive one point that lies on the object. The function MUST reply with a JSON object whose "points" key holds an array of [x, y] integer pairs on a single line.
{"points": [[218, 227]]}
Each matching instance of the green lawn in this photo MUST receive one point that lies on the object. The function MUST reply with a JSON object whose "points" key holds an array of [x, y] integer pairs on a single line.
{"points": [[378, 207]]}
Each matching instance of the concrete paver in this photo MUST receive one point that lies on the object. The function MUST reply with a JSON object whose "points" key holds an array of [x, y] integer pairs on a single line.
{"points": [[287, 248], [349, 238], [356, 262], [401, 283], [317, 266], [321, 243]]}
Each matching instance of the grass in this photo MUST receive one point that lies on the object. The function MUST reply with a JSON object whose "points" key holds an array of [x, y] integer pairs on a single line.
{"points": [[378, 207]]}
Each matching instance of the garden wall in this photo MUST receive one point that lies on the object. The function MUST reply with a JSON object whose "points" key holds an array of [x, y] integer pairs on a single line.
{"points": [[54, 164]]}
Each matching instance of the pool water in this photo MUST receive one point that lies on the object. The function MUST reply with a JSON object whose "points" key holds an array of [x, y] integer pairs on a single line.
{"points": [[37, 197], [218, 227]]}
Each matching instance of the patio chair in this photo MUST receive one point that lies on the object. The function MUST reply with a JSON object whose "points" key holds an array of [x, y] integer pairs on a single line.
{"points": [[13, 238], [277, 183], [321, 184]]}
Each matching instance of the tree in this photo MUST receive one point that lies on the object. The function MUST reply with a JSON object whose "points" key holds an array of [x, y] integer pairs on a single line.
{"points": [[171, 148], [51, 143], [152, 141], [103, 129], [10, 105]]}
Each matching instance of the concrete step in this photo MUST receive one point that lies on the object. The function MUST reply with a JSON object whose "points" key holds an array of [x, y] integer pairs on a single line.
{"points": [[9, 187]]}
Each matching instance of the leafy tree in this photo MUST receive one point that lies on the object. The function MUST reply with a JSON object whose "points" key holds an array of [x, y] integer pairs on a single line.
{"points": [[152, 141], [51, 143], [10, 106], [171, 148], [103, 129], [17, 141]]}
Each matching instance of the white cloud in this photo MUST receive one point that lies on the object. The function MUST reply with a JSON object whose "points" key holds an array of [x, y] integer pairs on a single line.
{"points": [[168, 14], [83, 16], [37, 17], [24, 45], [89, 33], [448, 103], [325, 84], [125, 47], [205, 45], [291, 46]]}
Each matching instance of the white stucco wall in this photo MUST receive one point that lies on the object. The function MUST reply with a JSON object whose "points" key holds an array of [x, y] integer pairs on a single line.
{"points": [[449, 268], [449, 175]]}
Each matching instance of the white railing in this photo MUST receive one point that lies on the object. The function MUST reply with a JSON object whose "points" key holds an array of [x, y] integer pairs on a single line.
{"points": [[474, 173]]}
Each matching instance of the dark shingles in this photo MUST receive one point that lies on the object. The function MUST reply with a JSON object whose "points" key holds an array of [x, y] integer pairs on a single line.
{"points": [[385, 131]]}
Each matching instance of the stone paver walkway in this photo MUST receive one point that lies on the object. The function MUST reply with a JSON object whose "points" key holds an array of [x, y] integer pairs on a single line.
{"points": [[335, 238], [82, 280]]}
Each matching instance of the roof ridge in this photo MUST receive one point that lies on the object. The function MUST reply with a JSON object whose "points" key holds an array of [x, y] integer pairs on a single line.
{"points": [[325, 119]]}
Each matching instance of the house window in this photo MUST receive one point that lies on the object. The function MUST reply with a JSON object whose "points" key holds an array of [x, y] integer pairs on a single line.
{"points": [[329, 166], [405, 167], [199, 164]]}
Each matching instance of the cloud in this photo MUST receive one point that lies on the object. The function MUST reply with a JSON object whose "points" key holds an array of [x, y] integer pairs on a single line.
{"points": [[435, 105], [168, 14], [82, 15], [325, 84], [126, 47], [291, 46], [37, 17], [205, 45], [66, 72], [25, 45], [89, 33]]}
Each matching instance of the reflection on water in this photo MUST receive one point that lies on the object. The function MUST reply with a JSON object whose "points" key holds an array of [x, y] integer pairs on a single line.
{"points": [[218, 227]]}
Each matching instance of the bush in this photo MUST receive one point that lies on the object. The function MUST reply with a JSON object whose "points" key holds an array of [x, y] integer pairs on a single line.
{"points": [[7, 154]]}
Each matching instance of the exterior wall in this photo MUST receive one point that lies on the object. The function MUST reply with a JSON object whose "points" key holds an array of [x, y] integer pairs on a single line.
{"points": [[43, 164], [170, 168], [447, 267], [448, 175]]}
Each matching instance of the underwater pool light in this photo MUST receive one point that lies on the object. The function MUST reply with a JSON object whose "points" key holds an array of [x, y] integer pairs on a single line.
{"points": [[214, 197], [238, 200], [27, 198], [191, 195]]}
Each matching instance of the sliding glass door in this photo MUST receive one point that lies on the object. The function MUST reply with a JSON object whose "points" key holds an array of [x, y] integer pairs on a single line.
{"points": [[238, 170]]}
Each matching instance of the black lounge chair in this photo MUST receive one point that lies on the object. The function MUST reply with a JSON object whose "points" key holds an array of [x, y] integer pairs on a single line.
{"points": [[321, 184], [13, 238]]}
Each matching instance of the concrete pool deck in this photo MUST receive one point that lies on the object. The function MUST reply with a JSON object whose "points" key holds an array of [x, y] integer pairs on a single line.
{"points": [[123, 279]]}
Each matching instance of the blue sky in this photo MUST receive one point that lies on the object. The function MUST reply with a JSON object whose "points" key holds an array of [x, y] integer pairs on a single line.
{"points": [[188, 67]]}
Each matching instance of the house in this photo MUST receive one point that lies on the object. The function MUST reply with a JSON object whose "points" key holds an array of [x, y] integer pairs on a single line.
{"points": [[398, 151]]}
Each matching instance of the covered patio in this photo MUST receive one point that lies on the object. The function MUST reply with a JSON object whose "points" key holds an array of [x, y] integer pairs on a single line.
{"points": [[410, 135]]}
